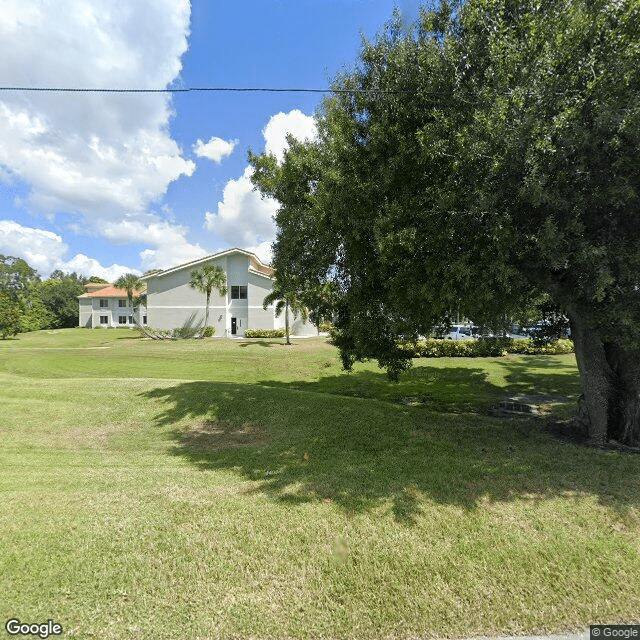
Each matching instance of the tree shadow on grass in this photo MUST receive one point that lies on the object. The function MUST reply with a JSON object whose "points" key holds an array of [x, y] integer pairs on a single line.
{"points": [[260, 343], [454, 389], [541, 375], [301, 446]]}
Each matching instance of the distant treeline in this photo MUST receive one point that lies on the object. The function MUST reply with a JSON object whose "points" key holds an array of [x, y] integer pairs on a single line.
{"points": [[29, 303]]}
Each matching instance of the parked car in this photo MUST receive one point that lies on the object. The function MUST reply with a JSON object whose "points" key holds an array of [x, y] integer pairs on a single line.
{"points": [[517, 332], [462, 332], [541, 328]]}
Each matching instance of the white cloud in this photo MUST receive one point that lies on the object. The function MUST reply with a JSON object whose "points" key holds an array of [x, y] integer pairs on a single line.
{"points": [[169, 241], [263, 251], [91, 267], [99, 155], [296, 123], [216, 149], [44, 251], [244, 219]]}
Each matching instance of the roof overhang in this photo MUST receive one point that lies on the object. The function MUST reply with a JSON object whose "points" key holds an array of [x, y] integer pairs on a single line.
{"points": [[194, 264]]}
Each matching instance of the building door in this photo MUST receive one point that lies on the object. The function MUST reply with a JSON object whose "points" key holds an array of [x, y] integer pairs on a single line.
{"points": [[233, 326]]}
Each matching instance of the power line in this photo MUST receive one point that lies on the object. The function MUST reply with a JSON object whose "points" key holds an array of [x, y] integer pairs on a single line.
{"points": [[193, 89]]}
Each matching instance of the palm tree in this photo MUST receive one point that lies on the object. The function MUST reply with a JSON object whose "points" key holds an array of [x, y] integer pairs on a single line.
{"points": [[205, 279], [132, 284], [285, 296]]}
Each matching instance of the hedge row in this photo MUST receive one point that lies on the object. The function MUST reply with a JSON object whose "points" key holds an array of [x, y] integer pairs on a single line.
{"points": [[264, 333], [486, 347]]}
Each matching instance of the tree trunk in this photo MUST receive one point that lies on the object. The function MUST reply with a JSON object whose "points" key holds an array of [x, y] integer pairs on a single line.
{"points": [[286, 321], [624, 424], [610, 376], [206, 311]]}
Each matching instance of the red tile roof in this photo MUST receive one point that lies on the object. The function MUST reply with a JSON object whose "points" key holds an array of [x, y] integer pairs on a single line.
{"points": [[109, 291], [261, 268]]}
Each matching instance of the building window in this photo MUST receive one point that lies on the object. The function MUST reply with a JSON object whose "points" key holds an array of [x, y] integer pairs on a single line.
{"points": [[144, 319], [104, 319], [122, 319], [239, 292], [104, 303], [130, 319], [122, 303]]}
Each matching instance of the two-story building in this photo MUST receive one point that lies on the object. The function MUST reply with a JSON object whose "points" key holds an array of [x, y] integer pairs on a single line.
{"points": [[102, 305], [172, 302]]}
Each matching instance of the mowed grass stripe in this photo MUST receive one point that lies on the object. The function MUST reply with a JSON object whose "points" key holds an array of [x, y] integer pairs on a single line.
{"points": [[239, 506]]}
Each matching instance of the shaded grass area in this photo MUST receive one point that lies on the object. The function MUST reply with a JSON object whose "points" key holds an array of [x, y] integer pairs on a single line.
{"points": [[362, 453], [274, 496]]}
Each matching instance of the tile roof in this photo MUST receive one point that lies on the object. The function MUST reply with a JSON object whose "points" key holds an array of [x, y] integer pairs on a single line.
{"points": [[109, 291], [261, 268]]}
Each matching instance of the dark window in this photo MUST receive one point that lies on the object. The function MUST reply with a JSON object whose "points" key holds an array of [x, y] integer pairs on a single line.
{"points": [[144, 319], [130, 319], [104, 303], [122, 303], [104, 319], [122, 319], [239, 292]]}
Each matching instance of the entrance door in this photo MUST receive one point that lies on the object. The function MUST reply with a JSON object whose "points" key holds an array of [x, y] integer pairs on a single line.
{"points": [[233, 326]]}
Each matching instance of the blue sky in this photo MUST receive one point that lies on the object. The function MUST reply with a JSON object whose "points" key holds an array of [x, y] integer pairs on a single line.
{"points": [[104, 184]]}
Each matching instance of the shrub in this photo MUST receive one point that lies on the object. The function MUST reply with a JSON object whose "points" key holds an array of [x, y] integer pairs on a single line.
{"points": [[326, 326], [264, 333], [190, 329], [484, 348], [208, 332], [529, 346]]}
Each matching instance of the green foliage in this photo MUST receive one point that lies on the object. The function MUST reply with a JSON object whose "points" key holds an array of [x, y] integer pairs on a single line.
{"points": [[190, 329], [484, 348], [16, 276], [285, 293], [264, 333], [479, 161], [59, 295], [208, 332], [34, 314], [205, 279], [9, 316], [42, 305], [133, 285]]}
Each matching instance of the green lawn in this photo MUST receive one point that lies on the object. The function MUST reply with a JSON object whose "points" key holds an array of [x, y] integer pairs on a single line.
{"points": [[246, 489]]}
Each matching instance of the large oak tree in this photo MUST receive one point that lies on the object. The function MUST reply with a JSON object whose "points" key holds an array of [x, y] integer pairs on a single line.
{"points": [[485, 158]]}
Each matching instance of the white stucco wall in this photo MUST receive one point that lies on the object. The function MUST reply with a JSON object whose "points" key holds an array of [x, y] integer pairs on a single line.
{"points": [[85, 312], [258, 288], [90, 312], [171, 301]]}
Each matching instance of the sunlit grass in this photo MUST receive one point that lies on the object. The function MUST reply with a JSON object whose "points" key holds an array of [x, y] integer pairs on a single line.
{"points": [[216, 489]]}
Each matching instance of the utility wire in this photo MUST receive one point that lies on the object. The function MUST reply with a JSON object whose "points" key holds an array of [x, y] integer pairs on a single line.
{"points": [[194, 89]]}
